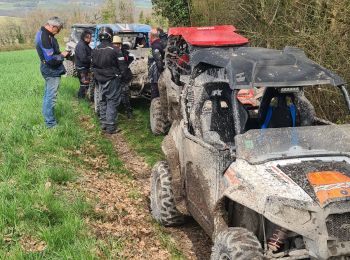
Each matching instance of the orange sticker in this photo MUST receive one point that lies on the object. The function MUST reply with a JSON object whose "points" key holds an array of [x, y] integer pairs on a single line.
{"points": [[231, 177], [329, 185]]}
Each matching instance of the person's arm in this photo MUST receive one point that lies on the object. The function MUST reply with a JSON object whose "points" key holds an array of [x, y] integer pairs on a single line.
{"points": [[93, 58], [48, 51], [120, 61], [131, 58], [158, 59]]}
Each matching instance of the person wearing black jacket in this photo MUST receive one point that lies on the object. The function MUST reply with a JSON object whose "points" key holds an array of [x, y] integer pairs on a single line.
{"points": [[51, 66], [83, 62], [109, 68], [155, 62], [128, 58]]}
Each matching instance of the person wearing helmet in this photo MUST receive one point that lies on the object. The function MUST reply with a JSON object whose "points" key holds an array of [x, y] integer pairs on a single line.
{"points": [[109, 67], [83, 62], [155, 62], [51, 66], [125, 95]]}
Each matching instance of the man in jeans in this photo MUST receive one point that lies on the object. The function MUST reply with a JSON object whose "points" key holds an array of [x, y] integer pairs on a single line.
{"points": [[109, 67], [83, 62], [51, 66]]}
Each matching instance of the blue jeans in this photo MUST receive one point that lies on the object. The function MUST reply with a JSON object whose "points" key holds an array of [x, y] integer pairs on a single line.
{"points": [[50, 95]]}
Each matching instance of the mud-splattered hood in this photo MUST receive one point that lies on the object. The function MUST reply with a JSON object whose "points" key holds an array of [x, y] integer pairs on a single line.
{"points": [[261, 145], [287, 191], [323, 181]]}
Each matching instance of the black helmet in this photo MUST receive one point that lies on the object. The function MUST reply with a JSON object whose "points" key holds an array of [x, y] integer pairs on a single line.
{"points": [[106, 33]]}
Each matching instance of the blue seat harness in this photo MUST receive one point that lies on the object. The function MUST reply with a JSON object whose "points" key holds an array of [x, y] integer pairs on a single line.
{"points": [[292, 110]]}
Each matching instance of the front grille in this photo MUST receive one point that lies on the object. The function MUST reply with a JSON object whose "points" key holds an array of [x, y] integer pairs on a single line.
{"points": [[338, 226]]}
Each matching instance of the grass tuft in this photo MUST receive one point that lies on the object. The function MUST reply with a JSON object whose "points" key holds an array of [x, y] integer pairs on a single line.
{"points": [[39, 217]]}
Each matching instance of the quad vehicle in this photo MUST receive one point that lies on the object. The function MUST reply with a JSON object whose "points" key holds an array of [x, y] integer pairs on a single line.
{"points": [[130, 34], [271, 184], [183, 42]]}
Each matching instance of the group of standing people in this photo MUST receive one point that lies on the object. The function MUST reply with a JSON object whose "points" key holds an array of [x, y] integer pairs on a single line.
{"points": [[109, 62]]}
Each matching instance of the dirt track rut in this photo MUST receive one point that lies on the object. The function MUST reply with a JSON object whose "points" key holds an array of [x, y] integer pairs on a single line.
{"points": [[190, 238], [120, 219]]}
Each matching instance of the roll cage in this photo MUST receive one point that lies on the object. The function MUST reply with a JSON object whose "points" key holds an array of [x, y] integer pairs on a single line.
{"points": [[129, 31], [217, 116]]}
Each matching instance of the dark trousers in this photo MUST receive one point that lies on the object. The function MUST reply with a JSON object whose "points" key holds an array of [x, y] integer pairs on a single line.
{"points": [[110, 94], [84, 79], [125, 98], [153, 75]]}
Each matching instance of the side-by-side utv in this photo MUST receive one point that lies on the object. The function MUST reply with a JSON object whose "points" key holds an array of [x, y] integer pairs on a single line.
{"points": [[271, 182]]}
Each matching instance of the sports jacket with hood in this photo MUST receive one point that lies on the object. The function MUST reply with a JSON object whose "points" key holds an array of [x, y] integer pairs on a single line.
{"points": [[49, 54]]}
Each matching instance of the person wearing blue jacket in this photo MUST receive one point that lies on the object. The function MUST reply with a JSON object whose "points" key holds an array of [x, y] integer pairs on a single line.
{"points": [[51, 66]]}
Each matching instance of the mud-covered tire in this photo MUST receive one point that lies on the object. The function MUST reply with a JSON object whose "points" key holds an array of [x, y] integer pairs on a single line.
{"points": [[70, 68], [236, 244], [163, 207], [159, 124]]}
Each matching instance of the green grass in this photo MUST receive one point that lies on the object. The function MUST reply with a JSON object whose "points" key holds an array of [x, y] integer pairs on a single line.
{"points": [[6, 19], [35, 162], [7, 6], [138, 134]]}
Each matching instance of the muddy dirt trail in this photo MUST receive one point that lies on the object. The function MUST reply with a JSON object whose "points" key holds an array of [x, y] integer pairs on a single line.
{"points": [[190, 238], [121, 219]]}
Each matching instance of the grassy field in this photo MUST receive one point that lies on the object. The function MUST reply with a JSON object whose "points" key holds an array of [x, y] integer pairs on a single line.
{"points": [[38, 218], [138, 134], [6, 19], [7, 6]]}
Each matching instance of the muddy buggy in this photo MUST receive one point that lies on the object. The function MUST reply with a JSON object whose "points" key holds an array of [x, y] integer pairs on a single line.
{"points": [[271, 184], [183, 42]]}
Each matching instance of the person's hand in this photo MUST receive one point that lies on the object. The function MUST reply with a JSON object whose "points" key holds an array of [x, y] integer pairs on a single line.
{"points": [[65, 53]]}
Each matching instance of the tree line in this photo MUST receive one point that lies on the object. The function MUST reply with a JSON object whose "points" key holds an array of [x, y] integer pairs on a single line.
{"points": [[16, 33], [319, 27]]}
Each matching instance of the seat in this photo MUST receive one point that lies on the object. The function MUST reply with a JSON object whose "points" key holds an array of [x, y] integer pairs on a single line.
{"points": [[278, 110], [217, 122], [222, 119]]}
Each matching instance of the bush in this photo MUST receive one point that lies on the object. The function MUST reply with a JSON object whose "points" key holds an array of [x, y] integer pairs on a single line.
{"points": [[320, 27]]}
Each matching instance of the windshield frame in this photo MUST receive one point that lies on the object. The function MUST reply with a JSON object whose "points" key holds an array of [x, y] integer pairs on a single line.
{"points": [[256, 146], [239, 127]]}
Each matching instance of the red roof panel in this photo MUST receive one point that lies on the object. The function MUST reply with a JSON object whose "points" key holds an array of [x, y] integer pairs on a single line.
{"points": [[223, 35]]}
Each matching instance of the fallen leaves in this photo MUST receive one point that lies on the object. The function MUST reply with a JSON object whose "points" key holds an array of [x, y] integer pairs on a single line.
{"points": [[48, 185], [31, 244], [121, 212]]}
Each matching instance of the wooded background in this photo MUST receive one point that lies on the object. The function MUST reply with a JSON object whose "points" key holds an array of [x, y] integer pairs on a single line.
{"points": [[320, 27]]}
